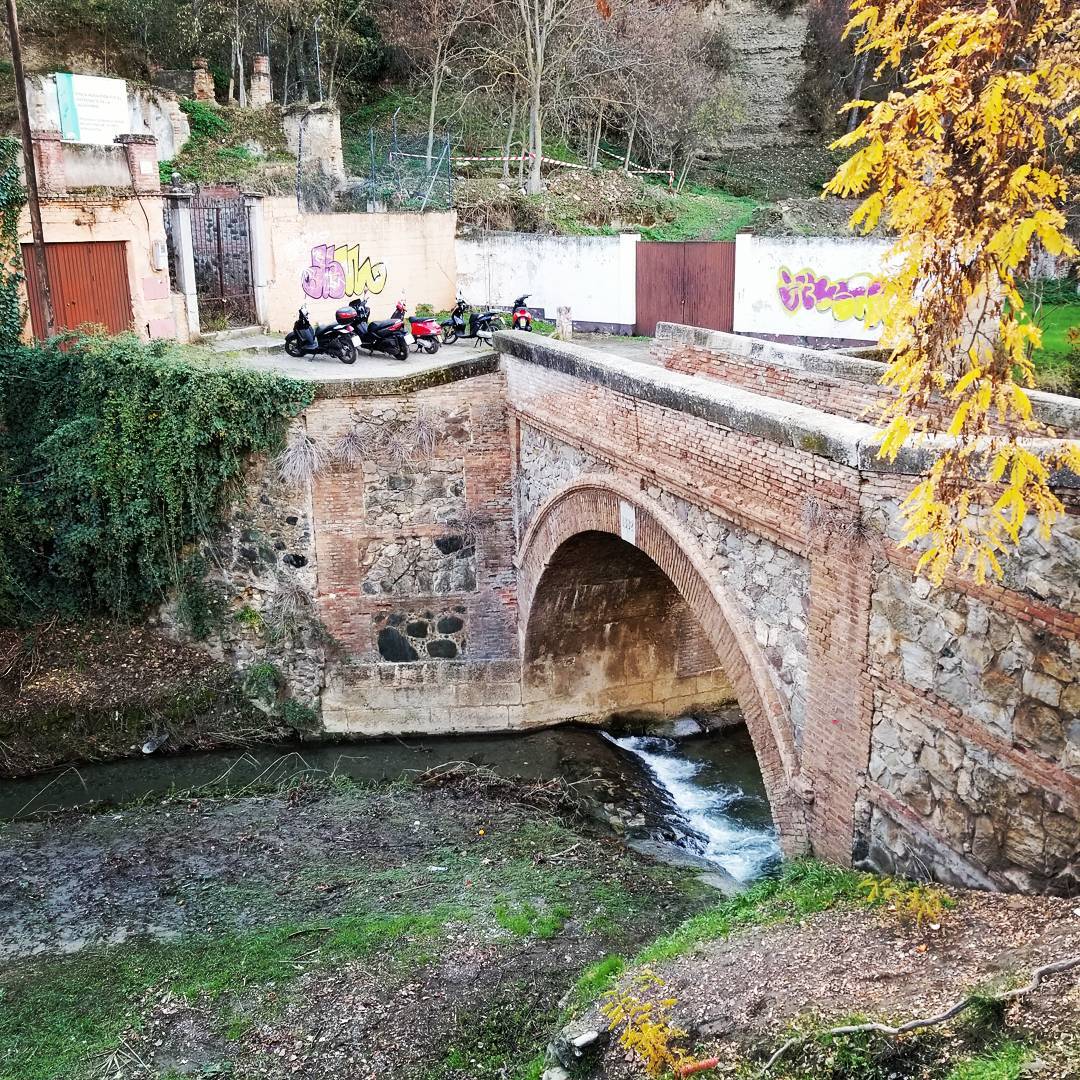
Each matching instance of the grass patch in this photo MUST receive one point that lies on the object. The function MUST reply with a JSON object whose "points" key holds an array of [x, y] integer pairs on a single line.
{"points": [[57, 1015], [1006, 1062], [526, 920], [801, 888], [703, 213]]}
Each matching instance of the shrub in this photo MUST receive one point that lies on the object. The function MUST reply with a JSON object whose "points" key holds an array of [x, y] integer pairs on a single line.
{"points": [[116, 455]]}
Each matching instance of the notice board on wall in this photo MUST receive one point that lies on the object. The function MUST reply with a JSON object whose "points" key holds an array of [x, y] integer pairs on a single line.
{"points": [[92, 109]]}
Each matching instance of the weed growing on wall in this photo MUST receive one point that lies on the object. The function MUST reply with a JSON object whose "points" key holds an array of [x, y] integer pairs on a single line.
{"points": [[118, 456]]}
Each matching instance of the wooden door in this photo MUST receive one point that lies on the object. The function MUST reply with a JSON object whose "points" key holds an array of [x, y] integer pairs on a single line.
{"points": [[691, 283], [89, 284]]}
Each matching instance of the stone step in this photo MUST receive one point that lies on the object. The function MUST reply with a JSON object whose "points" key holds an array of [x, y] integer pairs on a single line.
{"points": [[232, 334], [253, 343]]}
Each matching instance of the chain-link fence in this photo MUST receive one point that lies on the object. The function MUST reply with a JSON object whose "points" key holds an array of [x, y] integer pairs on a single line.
{"points": [[404, 173]]}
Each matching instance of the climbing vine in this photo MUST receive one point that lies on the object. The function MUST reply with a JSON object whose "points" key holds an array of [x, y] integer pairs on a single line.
{"points": [[12, 198], [119, 454]]}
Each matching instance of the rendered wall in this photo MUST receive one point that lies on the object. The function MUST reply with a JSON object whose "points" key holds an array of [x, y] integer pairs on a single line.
{"points": [[139, 223], [806, 289], [595, 276], [323, 260]]}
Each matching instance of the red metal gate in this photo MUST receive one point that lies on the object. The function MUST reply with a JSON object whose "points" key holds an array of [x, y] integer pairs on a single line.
{"points": [[691, 283], [89, 283]]}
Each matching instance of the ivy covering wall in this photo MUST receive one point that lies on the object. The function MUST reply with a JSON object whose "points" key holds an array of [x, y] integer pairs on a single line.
{"points": [[118, 455], [12, 198]]}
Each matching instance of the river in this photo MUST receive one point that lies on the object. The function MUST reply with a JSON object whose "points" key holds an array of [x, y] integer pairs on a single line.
{"points": [[701, 795]]}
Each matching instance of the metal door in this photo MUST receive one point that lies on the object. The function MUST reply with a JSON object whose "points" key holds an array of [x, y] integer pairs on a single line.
{"points": [[691, 283], [221, 242], [89, 283]]}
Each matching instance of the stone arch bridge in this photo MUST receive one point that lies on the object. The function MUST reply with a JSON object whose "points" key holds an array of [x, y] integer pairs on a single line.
{"points": [[593, 534]]}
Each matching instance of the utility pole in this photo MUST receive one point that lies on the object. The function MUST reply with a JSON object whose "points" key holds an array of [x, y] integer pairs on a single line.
{"points": [[42, 271]]}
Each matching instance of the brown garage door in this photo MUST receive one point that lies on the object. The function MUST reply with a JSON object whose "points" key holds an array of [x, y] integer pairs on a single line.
{"points": [[89, 286], [691, 283]]}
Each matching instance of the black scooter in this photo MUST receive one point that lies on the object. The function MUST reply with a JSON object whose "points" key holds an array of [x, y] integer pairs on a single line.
{"points": [[334, 339], [383, 335], [481, 324]]}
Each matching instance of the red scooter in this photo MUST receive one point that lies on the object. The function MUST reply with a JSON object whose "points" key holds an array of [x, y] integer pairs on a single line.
{"points": [[522, 315], [425, 329]]}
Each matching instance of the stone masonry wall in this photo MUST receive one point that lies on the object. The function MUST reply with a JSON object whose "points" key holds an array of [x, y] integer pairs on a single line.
{"points": [[415, 549]]}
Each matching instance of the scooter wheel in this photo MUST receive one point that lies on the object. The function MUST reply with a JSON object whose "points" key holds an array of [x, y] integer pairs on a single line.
{"points": [[293, 347], [402, 351], [431, 346], [449, 337], [344, 350]]}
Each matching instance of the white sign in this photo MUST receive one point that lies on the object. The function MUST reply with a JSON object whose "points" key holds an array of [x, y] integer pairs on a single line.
{"points": [[92, 109], [809, 286]]}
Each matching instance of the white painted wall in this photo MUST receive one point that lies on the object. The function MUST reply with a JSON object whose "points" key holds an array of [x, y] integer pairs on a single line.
{"points": [[595, 276], [807, 286]]}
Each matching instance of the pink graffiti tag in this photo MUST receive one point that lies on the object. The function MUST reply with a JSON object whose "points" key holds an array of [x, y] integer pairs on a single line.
{"points": [[858, 297], [325, 277], [337, 271]]}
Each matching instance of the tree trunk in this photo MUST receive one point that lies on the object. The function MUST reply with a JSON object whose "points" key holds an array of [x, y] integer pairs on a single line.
{"points": [[594, 157], [536, 182], [436, 86], [510, 137], [856, 93], [526, 140], [690, 158], [630, 144]]}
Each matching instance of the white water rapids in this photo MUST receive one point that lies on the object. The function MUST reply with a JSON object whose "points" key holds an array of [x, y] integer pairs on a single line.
{"points": [[705, 814]]}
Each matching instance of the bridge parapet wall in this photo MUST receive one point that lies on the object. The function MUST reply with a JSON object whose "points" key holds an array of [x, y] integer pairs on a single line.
{"points": [[833, 382]]}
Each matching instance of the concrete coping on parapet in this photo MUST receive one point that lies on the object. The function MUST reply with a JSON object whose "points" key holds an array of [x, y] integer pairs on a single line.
{"points": [[409, 382], [852, 443], [1051, 409]]}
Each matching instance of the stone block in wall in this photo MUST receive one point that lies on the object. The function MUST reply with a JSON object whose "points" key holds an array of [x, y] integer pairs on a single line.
{"points": [[400, 496], [1015, 677], [418, 566]]}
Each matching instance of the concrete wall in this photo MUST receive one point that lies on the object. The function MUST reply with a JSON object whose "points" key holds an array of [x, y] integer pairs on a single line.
{"points": [[157, 312], [808, 289], [594, 275], [325, 259], [87, 165]]}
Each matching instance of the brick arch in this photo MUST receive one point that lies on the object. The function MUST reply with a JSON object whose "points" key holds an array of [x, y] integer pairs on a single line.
{"points": [[606, 504]]}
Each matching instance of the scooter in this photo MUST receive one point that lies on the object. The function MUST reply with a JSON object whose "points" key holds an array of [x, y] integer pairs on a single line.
{"points": [[383, 335], [481, 324], [522, 315], [424, 329], [335, 339]]}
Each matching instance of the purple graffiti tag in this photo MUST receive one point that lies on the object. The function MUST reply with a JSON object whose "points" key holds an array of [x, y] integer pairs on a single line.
{"points": [[325, 277]]}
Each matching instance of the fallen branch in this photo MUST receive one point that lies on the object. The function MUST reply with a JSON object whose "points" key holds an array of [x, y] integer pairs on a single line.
{"points": [[1037, 977]]}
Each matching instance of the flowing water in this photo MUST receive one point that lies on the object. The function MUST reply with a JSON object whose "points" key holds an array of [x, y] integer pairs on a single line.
{"points": [[701, 795], [718, 808]]}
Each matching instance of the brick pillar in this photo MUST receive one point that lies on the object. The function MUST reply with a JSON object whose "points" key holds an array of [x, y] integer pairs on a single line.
{"points": [[203, 83], [49, 162], [839, 708], [141, 151], [259, 92]]}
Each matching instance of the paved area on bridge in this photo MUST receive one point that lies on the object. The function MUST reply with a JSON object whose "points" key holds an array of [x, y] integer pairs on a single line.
{"points": [[629, 348], [378, 367], [266, 354]]}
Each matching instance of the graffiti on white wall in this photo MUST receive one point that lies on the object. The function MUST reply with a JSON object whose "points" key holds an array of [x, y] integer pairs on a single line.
{"points": [[858, 296], [337, 270], [810, 287]]}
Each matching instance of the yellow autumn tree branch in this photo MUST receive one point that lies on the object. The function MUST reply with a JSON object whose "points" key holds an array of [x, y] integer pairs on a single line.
{"points": [[966, 163]]}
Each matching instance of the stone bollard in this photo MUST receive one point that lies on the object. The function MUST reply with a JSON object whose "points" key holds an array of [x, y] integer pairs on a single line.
{"points": [[564, 325]]}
